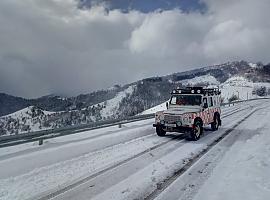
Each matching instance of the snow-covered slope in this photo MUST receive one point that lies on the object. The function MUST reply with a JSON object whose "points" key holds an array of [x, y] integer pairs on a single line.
{"points": [[35, 119], [155, 109], [26, 112], [28, 119], [241, 87], [203, 80], [111, 106], [253, 65]]}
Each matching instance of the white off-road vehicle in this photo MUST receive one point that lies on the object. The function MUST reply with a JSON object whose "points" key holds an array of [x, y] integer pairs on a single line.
{"points": [[189, 110]]}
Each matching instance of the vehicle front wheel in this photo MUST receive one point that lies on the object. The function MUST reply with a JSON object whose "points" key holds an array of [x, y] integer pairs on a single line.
{"points": [[196, 132], [215, 124], [160, 132]]}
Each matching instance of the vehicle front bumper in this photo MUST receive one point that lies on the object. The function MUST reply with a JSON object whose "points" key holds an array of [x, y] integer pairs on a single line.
{"points": [[185, 128]]}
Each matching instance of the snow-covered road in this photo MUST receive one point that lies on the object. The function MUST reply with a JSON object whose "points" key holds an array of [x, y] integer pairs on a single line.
{"points": [[134, 163]]}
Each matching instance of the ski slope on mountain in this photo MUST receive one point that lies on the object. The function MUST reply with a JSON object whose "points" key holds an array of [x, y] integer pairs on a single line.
{"points": [[111, 106], [120, 163]]}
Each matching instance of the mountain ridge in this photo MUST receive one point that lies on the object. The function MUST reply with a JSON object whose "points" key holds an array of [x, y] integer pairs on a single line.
{"points": [[253, 72], [234, 78]]}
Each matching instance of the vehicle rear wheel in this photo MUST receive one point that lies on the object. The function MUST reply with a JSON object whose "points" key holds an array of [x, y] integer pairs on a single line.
{"points": [[197, 131], [215, 124], [160, 132]]}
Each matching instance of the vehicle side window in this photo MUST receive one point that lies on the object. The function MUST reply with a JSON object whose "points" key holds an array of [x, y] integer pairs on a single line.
{"points": [[205, 104], [211, 102], [218, 100], [173, 100], [214, 101]]}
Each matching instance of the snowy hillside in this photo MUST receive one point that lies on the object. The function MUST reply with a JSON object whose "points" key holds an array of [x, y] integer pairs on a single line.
{"points": [[111, 106], [241, 87], [155, 109], [35, 119], [27, 119], [28, 112], [201, 80]]}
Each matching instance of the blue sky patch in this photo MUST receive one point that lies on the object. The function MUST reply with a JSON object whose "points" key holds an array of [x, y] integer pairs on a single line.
{"points": [[147, 5]]}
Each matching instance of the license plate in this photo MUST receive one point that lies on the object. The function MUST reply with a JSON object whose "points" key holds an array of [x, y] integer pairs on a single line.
{"points": [[170, 125]]}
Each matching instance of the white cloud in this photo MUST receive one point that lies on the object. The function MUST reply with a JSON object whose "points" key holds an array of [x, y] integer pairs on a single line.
{"points": [[52, 46], [239, 30]]}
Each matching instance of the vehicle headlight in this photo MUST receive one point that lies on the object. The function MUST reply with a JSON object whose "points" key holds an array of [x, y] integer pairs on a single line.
{"points": [[159, 116], [178, 123], [185, 119]]}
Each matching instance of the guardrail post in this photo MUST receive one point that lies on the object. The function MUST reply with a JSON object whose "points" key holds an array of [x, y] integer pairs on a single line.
{"points": [[120, 125], [40, 142]]}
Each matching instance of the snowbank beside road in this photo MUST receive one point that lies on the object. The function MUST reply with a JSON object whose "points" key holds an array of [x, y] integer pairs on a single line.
{"points": [[243, 173]]}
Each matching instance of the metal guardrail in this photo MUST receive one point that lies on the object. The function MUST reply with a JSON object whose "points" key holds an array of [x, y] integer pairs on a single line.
{"points": [[241, 101], [52, 133]]}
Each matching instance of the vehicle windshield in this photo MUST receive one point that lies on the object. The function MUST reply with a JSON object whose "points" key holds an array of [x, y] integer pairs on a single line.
{"points": [[186, 100]]}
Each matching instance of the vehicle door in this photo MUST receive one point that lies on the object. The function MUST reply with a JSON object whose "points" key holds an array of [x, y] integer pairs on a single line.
{"points": [[211, 109], [205, 116]]}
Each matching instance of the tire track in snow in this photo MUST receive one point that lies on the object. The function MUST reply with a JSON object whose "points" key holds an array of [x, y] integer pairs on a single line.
{"points": [[187, 185], [86, 179], [80, 182], [166, 183], [59, 193]]}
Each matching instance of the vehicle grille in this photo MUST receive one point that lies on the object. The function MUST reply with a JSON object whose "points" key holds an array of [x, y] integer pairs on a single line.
{"points": [[172, 118]]}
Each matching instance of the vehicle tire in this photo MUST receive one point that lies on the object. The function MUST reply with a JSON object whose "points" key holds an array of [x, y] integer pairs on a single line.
{"points": [[197, 131], [216, 123], [160, 132]]}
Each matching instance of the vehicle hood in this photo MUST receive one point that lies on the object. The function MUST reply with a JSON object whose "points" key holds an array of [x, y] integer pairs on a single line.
{"points": [[182, 110]]}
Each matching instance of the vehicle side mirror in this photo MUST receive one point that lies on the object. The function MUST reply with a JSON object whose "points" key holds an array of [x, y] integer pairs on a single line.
{"points": [[167, 105], [205, 105]]}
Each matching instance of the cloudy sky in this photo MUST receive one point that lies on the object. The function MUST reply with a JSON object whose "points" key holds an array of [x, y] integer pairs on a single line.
{"points": [[77, 46]]}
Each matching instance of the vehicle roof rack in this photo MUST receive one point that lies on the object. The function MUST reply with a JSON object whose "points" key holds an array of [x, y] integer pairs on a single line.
{"points": [[196, 90]]}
